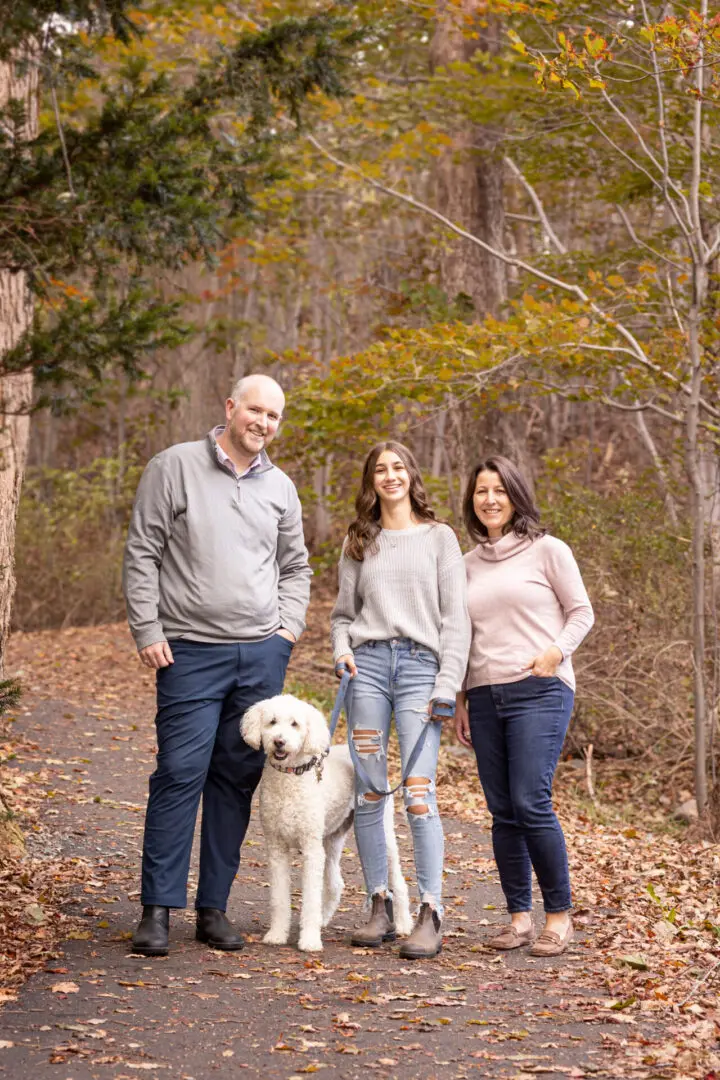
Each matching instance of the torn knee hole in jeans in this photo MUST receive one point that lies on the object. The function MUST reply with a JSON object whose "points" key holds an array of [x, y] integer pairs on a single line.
{"points": [[416, 790], [368, 742], [368, 797]]}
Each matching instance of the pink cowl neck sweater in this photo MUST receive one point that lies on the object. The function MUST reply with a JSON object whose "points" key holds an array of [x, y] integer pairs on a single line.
{"points": [[523, 596]]}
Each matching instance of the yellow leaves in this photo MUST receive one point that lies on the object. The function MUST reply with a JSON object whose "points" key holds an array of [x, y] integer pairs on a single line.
{"points": [[420, 141], [615, 281], [516, 43], [595, 44]]}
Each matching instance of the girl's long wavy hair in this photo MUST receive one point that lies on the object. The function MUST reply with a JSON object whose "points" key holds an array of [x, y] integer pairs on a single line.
{"points": [[526, 519], [364, 530]]}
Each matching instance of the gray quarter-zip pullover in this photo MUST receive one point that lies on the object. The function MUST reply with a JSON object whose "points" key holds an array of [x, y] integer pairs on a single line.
{"points": [[214, 557]]}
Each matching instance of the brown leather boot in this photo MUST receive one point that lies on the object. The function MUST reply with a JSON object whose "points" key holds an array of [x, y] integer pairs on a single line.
{"points": [[426, 938], [379, 927]]}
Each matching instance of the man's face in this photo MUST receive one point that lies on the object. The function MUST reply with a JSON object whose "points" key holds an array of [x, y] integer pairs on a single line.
{"points": [[252, 422]]}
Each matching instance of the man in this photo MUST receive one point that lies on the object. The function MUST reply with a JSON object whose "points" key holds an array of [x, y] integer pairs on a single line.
{"points": [[217, 584]]}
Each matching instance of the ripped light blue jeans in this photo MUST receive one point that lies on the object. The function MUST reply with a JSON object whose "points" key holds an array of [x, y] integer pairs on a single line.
{"points": [[396, 677]]}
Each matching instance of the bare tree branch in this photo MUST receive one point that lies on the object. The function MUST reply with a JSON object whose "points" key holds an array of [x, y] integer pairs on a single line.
{"points": [[659, 468], [683, 387], [668, 182], [61, 135], [641, 243], [687, 233], [535, 199]]}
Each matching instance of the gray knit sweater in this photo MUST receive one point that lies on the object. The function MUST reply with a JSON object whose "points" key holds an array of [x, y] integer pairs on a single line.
{"points": [[413, 586]]}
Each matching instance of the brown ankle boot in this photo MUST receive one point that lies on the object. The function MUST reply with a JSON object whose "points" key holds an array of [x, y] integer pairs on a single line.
{"points": [[379, 927], [426, 938]]}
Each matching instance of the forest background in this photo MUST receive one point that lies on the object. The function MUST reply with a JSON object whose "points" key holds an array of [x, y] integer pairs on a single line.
{"points": [[494, 228]]}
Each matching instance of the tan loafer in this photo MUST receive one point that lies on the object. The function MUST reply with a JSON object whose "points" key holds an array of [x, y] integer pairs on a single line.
{"points": [[512, 938], [551, 944]]}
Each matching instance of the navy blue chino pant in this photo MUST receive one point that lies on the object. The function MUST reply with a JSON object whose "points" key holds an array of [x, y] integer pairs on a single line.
{"points": [[201, 699]]}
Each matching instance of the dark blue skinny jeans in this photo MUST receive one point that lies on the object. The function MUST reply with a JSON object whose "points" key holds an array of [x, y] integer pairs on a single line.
{"points": [[201, 700], [517, 732]]}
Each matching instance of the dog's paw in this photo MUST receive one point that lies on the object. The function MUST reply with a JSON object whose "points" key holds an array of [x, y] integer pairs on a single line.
{"points": [[276, 937], [310, 943], [328, 914], [404, 925]]}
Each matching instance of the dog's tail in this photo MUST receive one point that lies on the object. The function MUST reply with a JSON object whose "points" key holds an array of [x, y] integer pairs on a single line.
{"points": [[401, 899]]}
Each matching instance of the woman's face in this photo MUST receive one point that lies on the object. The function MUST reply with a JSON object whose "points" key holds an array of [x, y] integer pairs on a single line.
{"points": [[491, 503], [391, 480]]}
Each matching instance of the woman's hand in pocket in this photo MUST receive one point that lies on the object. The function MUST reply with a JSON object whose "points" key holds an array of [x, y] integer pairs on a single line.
{"points": [[545, 665], [462, 722]]}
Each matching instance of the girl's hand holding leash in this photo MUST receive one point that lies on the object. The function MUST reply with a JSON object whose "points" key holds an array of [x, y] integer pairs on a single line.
{"points": [[345, 663], [440, 710]]}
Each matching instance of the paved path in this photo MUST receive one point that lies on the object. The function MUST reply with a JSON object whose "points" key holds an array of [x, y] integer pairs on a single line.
{"points": [[274, 1011]]}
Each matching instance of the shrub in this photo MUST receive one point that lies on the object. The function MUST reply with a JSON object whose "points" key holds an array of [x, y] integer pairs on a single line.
{"points": [[635, 668], [70, 536]]}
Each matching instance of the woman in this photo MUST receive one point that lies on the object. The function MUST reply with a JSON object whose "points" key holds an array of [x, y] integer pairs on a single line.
{"points": [[400, 626], [529, 611]]}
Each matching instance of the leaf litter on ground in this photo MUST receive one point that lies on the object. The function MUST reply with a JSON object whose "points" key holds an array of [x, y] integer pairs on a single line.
{"points": [[646, 898]]}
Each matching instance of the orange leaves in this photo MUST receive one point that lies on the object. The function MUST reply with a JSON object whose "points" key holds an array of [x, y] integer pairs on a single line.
{"points": [[68, 290], [576, 63]]}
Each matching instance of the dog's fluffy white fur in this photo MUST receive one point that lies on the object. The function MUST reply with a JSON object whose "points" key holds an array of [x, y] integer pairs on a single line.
{"points": [[300, 812]]}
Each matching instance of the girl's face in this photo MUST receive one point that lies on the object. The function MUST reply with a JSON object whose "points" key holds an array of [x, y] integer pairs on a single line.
{"points": [[391, 479], [491, 503]]}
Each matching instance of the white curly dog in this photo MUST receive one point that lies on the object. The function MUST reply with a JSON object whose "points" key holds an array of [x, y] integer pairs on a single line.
{"points": [[306, 804]]}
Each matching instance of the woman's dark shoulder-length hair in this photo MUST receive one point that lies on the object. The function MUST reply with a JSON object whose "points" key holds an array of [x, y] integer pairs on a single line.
{"points": [[526, 519], [364, 530]]}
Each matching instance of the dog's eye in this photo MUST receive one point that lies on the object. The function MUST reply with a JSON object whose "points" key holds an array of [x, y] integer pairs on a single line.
{"points": [[294, 723], [273, 721]]}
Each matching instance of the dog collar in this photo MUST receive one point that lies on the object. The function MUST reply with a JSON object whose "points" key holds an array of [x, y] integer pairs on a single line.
{"points": [[316, 762]]}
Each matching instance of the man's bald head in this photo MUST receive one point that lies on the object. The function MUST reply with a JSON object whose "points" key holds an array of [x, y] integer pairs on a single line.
{"points": [[264, 385], [252, 414]]}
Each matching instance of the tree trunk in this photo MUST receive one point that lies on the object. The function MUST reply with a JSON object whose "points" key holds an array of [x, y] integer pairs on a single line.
{"points": [[693, 454], [16, 313], [469, 179]]}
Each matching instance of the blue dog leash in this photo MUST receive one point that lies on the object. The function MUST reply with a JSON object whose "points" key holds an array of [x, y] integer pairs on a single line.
{"points": [[339, 701], [442, 709]]}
